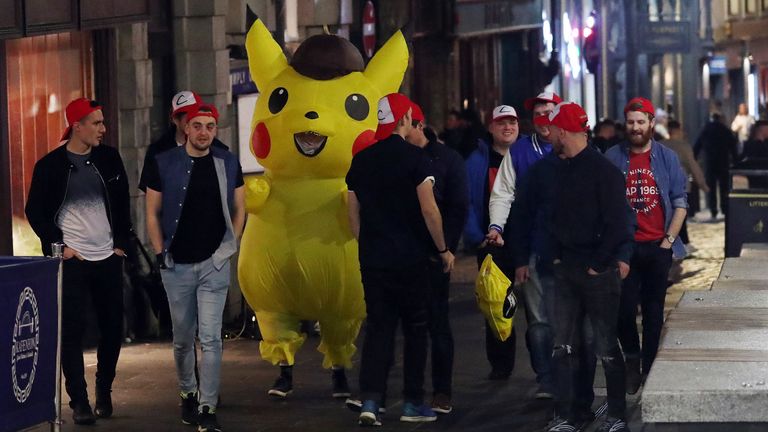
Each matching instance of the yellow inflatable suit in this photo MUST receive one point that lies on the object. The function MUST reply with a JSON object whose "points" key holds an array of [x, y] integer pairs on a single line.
{"points": [[298, 259]]}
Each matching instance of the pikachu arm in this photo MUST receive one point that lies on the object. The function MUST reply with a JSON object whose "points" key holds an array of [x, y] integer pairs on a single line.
{"points": [[257, 189]]}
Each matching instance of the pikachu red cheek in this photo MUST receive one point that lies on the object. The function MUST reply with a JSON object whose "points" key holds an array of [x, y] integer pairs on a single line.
{"points": [[260, 141], [363, 141]]}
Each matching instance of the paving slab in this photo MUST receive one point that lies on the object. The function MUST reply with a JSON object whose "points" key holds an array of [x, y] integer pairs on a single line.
{"points": [[722, 318], [739, 284], [706, 391], [733, 298], [744, 268], [691, 339], [754, 250]]}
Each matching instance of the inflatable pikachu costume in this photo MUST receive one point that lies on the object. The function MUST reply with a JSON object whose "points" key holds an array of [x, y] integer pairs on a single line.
{"points": [[298, 258]]}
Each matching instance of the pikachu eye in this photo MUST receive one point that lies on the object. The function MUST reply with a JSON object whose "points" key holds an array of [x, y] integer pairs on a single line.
{"points": [[357, 106], [277, 100]]}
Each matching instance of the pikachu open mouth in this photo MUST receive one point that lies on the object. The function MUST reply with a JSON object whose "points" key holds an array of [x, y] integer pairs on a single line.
{"points": [[309, 143]]}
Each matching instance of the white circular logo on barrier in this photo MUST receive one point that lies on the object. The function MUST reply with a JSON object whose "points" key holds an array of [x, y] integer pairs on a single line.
{"points": [[26, 340]]}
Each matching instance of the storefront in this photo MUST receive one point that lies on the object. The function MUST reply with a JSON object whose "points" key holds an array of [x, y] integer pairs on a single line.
{"points": [[52, 53]]}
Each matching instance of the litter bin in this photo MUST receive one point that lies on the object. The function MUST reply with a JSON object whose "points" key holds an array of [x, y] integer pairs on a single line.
{"points": [[747, 215]]}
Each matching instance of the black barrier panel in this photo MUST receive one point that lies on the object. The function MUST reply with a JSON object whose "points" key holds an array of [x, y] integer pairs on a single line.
{"points": [[28, 333], [746, 221]]}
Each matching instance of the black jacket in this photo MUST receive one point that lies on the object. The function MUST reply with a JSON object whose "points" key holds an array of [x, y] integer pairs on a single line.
{"points": [[450, 190], [49, 187], [719, 145], [591, 222], [166, 142]]}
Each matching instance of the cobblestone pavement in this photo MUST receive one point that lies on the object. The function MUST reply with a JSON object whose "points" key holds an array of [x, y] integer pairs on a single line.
{"points": [[702, 267]]}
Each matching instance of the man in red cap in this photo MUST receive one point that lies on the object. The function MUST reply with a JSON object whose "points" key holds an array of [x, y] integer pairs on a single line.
{"points": [[450, 191], [480, 231], [394, 216], [527, 151], [592, 246], [195, 217], [655, 188], [79, 197], [181, 104]]}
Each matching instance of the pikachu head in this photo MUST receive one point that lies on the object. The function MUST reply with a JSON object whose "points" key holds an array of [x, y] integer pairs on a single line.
{"points": [[314, 113]]}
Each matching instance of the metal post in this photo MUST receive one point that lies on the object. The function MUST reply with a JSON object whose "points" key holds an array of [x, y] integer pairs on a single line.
{"points": [[604, 69], [58, 253]]}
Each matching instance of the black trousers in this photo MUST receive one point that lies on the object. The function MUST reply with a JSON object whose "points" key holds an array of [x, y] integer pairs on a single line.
{"points": [[581, 297], [393, 296], [102, 281], [717, 179], [500, 354], [440, 330], [646, 285]]}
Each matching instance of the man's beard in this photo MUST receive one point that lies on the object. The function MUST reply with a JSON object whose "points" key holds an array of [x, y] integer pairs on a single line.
{"points": [[642, 139]]}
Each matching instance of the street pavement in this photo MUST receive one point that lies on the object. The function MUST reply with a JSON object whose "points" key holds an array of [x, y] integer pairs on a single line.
{"points": [[146, 395]]}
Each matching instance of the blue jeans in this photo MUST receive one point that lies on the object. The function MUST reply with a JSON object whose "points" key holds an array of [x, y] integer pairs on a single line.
{"points": [[196, 295], [537, 295]]}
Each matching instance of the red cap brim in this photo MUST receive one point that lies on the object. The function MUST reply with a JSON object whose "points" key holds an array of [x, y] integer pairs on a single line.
{"points": [[66, 133], [383, 131]]}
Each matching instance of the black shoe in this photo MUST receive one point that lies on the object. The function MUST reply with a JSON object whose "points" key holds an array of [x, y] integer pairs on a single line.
{"points": [[340, 385], [208, 421], [633, 378], [499, 374], [284, 384], [103, 407], [559, 424], [82, 414], [189, 413]]}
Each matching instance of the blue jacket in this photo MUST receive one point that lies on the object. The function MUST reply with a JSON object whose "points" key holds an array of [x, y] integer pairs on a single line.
{"points": [[527, 151], [670, 179], [477, 172], [175, 168]]}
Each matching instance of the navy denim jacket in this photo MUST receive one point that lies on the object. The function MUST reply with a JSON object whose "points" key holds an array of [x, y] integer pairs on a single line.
{"points": [[175, 167], [670, 179]]}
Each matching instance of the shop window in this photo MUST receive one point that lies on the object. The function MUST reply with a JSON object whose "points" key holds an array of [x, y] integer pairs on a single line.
{"points": [[43, 74]]}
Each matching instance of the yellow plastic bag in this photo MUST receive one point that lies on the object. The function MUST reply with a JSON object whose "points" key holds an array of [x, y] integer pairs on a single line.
{"points": [[495, 298]]}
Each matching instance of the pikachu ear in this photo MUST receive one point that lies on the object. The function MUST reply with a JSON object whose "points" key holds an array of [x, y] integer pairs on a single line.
{"points": [[265, 58], [387, 67]]}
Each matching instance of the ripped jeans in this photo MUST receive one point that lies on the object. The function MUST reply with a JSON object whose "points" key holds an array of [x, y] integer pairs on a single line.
{"points": [[579, 297]]}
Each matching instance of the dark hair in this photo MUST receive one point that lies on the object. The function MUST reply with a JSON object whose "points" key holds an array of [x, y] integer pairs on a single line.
{"points": [[606, 122], [430, 134], [753, 131], [674, 124]]}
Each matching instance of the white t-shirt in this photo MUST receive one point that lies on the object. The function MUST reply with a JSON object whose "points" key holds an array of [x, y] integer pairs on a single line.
{"points": [[83, 215], [741, 124]]}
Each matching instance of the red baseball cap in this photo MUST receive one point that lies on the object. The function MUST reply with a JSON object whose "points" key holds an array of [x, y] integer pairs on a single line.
{"points": [[568, 116], [184, 102], [76, 111], [546, 97], [392, 108], [416, 112], [203, 110], [640, 104]]}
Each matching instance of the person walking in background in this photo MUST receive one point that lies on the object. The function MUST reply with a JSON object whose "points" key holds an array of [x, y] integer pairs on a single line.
{"points": [[479, 234], [452, 134], [79, 197], [655, 189], [604, 135], [684, 151], [720, 150], [742, 124]]}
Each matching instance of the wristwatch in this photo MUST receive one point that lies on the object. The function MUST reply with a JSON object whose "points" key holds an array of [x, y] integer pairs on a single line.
{"points": [[670, 238]]}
